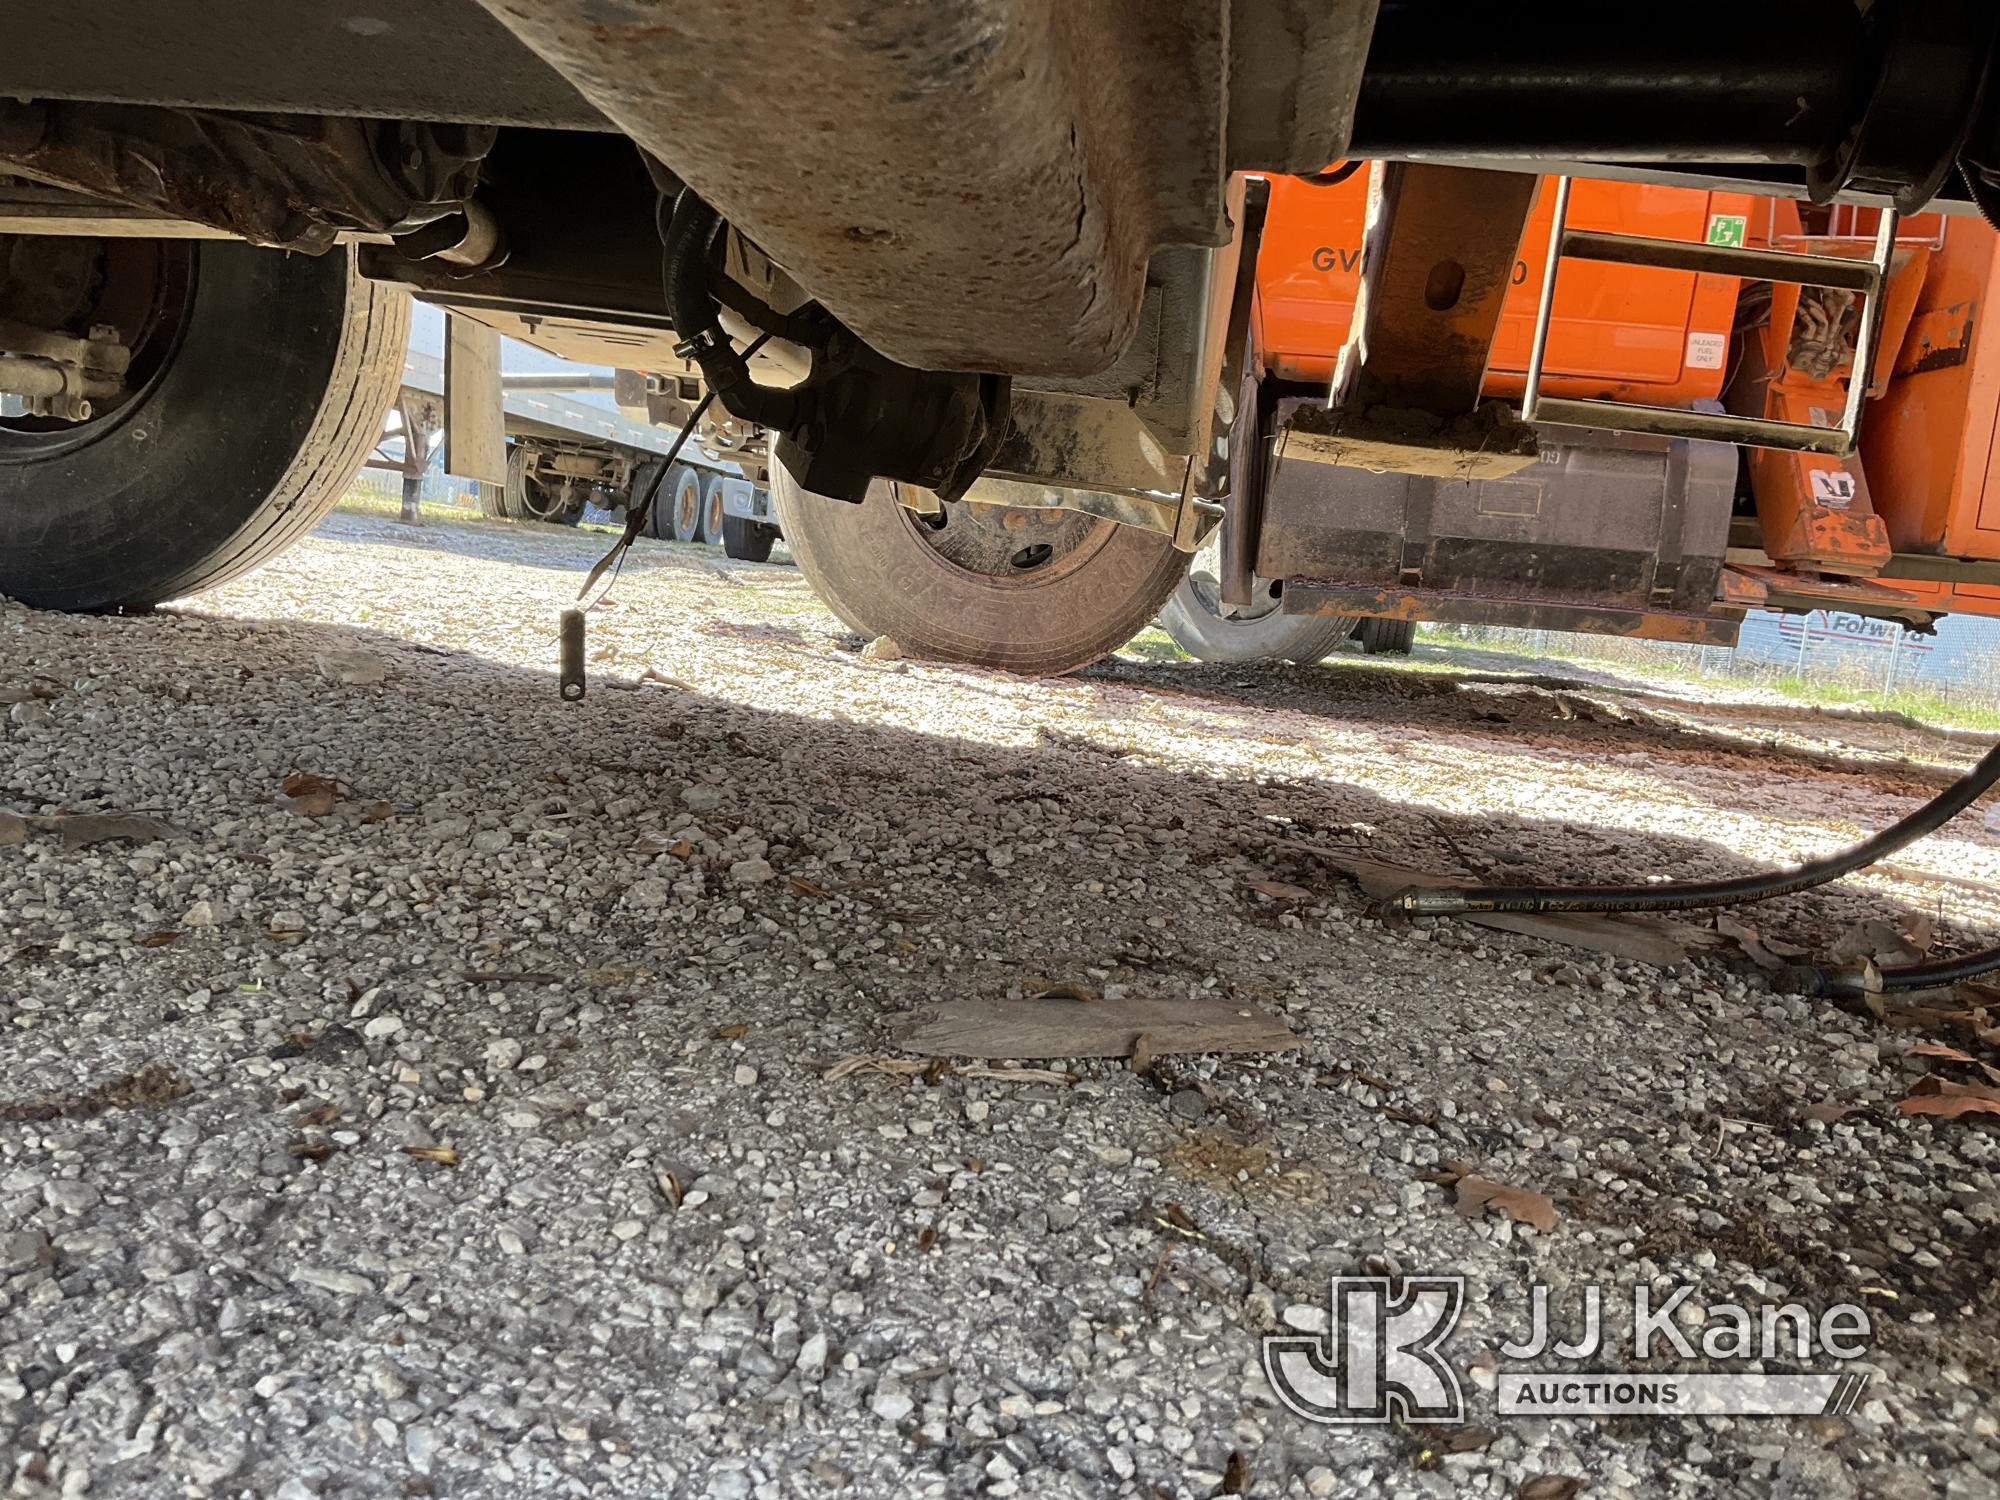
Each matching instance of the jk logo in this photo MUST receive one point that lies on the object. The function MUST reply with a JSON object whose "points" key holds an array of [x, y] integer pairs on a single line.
{"points": [[1378, 1359]]}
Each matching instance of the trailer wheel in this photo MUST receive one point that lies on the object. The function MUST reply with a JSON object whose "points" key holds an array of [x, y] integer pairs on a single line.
{"points": [[747, 540], [258, 385], [1380, 637], [1038, 592], [1197, 620], [711, 510], [685, 486]]}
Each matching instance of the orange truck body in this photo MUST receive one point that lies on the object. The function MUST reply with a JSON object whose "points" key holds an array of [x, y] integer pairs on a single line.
{"points": [[1626, 333], [1927, 472]]}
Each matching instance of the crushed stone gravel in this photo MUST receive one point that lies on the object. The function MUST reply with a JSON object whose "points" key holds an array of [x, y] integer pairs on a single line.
{"points": [[475, 1137]]}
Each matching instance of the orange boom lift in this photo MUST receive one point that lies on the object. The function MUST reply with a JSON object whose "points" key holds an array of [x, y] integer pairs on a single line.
{"points": [[1646, 533]]}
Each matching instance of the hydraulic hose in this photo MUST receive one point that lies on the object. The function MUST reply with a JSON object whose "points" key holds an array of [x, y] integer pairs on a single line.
{"points": [[1807, 979], [688, 240], [1682, 895]]}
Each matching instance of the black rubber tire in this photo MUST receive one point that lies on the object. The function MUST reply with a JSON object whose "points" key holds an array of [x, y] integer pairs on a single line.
{"points": [[712, 514], [492, 501], [683, 493], [515, 495], [1381, 637], [1199, 629], [747, 540], [254, 425], [870, 567]]}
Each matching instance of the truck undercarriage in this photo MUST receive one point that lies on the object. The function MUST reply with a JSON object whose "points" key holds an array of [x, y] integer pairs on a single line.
{"points": [[993, 242]]}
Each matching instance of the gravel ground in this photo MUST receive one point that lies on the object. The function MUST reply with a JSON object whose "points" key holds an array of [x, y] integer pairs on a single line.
{"points": [[464, 1129]]}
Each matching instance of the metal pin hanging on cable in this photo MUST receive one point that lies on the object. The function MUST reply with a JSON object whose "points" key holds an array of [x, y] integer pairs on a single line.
{"points": [[569, 671]]}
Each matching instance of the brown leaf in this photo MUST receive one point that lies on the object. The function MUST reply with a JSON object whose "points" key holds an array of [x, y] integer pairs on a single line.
{"points": [[1064, 989], [1939, 1096], [376, 812], [1747, 939], [1549, 1487], [730, 1032], [310, 1150], [324, 1113], [1466, 1439], [1279, 890], [1141, 1060], [670, 1188], [311, 805], [444, 1156], [160, 939], [1477, 1194], [1236, 1474], [807, 888], [1830, 1113], [1939, 1049], [306, 784], [927, 1240]]}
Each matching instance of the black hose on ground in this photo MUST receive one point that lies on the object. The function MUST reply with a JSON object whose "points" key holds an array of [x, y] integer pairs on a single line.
{"points": [[1808, 979], [1683, 895]]}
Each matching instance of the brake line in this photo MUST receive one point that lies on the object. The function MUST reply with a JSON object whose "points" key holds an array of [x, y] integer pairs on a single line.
{"points": [[1683, 895]]}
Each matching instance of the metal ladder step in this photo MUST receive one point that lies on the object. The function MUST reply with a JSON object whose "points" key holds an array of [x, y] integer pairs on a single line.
{"points": [[1867, 278]]}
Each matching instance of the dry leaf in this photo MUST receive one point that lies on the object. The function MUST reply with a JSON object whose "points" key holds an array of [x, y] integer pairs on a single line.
{"points": [[1466, 1439], [670, 1188], [1549, 1487], [1830, 1113], [1939, 1049], [306, 784], [376, 812], [862, 1062], [1017, 1075], [1477, 1194], [612, 974], [730, 1032], [805, 887], [159, 939], [1062, 989], [444, 1156], [1141, 1060], [1938, 1096], [1236, 1474], [310, 1150], [320, 1114], [927, 1240], [1279, 890]]}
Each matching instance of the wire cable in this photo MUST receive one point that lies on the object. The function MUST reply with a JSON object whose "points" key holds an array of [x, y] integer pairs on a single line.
{"points": [[635, 516], [1685, 895]]}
